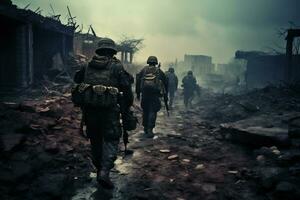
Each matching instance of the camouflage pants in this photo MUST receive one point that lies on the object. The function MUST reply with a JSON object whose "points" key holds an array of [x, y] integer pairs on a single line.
{"points": [[171, 96], [188, 96], [104, 131], [149, 118]]}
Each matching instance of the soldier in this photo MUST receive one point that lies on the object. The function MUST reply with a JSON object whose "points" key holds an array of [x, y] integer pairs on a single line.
{"points": [[152, 84], [103, 80], [190, 86], [172, 85]]}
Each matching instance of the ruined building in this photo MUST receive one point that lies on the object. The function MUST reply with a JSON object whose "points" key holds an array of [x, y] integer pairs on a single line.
{"points": [[264, 69], [85, 44], [200, 64], [29, 42]]}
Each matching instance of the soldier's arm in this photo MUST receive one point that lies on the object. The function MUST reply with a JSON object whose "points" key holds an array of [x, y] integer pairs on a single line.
{"points": [[125, 81], [164, 80], [176, 82]]}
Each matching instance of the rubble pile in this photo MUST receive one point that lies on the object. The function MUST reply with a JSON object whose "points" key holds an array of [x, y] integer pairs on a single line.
{"points": [[270, 100], [268, 121], [42, 153]]}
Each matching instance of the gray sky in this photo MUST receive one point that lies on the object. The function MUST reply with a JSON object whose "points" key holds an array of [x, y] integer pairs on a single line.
{"points": [[172, 28]]}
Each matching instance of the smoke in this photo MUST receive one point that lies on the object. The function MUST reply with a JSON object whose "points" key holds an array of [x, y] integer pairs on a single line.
{"points": [[172, 28]]}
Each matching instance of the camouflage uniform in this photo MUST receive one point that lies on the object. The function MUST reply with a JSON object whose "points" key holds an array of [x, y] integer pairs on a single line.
{"points": [[172, 84], [150, 102], [103, 124], [189, 84]]}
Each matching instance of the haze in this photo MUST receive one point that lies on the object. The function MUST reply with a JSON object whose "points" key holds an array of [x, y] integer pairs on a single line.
{"points": [[172, 28]]}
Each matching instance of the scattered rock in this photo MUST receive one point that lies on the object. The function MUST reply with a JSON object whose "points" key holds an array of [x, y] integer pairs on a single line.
{"points": [[232, 172], [9, 142], [199, 167], [165, 151], [209, 188], [172, 157], [261, 159]]}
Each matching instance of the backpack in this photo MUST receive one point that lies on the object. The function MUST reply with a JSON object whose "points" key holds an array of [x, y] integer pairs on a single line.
{"points": [[150, 80], [172, 80]]}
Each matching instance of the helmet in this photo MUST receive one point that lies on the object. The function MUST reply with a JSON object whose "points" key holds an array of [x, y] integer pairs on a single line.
{"points": [[106, 43], [190, 72], [171, 69], [152, 60]]}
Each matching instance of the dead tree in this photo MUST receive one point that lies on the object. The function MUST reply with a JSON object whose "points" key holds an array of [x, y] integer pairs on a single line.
{"points": [[128, 47]]}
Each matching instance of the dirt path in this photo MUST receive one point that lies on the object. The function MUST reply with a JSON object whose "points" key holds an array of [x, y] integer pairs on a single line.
{"points": [[183, 161]]}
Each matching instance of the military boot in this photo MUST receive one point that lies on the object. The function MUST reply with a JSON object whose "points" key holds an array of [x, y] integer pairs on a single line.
{"points": [[145, 131], [104, 179], [150, 133]]}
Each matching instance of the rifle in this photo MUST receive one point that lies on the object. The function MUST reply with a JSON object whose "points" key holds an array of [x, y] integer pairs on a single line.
{"points": [[124, 113], [166, 104], [125, 140]]}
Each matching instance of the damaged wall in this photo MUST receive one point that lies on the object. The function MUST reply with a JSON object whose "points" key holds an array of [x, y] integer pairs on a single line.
{"points": [[263, 69], [28, 43]]}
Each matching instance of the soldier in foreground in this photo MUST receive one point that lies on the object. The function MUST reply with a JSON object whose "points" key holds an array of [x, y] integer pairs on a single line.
{"points": [[190, 86], [172, 85], [152, 84], [101, 83]]}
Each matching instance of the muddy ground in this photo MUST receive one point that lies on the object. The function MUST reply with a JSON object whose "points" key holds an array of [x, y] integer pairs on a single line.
{"points": [[44, 157]]}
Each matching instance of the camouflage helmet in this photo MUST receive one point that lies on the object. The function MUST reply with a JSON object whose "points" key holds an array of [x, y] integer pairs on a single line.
{"points": [[106, 43], [152, 60]]}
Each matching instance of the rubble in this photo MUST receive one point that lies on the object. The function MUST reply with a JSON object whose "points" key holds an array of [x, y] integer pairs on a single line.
{"points": [[256, 131], [194, 162], [35, 151], [9, 142]]}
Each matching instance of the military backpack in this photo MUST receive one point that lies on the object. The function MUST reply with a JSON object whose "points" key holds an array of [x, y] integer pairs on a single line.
{"points": [[150, 80]]}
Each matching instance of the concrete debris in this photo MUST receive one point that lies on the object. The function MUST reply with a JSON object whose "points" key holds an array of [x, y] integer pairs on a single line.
{"points": [[251, 131], [165, 151], [172, 157]]}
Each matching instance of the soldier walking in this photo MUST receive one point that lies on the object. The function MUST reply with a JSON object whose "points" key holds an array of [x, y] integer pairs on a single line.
{"points": [[152, 84], [190, 86], [172, 85], [102, 82]]}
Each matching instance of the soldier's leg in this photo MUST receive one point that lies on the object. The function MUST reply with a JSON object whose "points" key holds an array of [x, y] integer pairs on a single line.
{"points": [[171, 98], [151, 121], [145, 119], [111, 136], [185, 100], [93, 128]]}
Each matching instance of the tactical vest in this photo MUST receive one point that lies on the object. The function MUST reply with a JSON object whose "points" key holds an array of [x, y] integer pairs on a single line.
{"points": [[100, 86]]}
